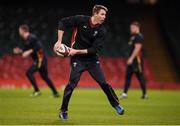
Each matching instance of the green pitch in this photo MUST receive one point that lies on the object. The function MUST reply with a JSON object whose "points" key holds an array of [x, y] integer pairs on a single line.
{"points": [[89, 106]]}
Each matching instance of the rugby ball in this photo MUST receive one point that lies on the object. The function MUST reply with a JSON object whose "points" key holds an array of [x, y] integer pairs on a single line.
{"points": [[63, 50]]}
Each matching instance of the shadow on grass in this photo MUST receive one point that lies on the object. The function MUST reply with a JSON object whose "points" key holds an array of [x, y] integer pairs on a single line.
{"points": [[60, 122]]}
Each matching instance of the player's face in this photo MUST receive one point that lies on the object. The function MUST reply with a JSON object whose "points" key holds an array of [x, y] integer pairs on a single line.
{"points": [[134, 29], [21, 32], [101, 16]]}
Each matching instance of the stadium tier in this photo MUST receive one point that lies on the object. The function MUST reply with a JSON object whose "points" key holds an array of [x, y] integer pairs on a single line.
{"points": [[169, 20], [114, 69]]}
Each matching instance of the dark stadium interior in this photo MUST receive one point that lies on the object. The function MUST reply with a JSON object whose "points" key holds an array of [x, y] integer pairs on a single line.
{"points": [[162, 39]]}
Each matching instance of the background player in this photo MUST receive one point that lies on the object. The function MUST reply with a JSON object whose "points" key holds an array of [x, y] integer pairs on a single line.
{"points": [[87, 40], [34, 48], [135, 60]]}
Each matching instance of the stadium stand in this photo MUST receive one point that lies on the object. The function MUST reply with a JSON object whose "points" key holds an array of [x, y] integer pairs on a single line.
{"points": [[14, 67], [43, 22], [169, 20], [157, 51]]}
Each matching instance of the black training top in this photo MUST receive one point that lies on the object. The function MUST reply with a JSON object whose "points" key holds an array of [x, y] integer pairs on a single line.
{"points": [[34, 43], [135, 39], [85, 34]]}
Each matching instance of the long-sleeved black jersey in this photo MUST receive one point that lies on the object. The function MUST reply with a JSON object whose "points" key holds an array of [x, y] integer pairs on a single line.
{"points": [[34, 43], [85, 34]]}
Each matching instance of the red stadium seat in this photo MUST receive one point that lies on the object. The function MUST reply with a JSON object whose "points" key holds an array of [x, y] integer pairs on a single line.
{"points": [[13, 68]]}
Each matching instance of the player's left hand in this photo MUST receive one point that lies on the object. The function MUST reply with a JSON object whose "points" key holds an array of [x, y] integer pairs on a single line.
{"points": [[130, 61], [72, 52]]}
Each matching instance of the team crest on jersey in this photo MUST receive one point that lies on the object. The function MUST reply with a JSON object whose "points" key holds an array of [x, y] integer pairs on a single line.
{"points": [[132, 38], [85, 26], [74, 64], [95, 33]]}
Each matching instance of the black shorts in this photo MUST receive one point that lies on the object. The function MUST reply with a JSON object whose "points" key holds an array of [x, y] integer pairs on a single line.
{"points": [[42, 66], [79, 65]]}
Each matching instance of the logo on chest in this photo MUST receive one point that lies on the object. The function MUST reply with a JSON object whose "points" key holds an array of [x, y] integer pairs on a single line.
{"points": [[95, 33], [89, 31], [85, 27], [131, 40]]}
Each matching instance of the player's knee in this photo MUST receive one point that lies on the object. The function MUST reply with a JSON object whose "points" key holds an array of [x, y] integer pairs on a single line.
{"points": [[104, 84], [70, 87], [28, 73], [139, 73], [128, 74], [44, 77], [73, 83]]}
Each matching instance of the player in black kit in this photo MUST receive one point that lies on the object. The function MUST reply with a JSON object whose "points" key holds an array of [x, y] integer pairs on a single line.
{"points": [[34, 48], [87, 40], [135, 60]]}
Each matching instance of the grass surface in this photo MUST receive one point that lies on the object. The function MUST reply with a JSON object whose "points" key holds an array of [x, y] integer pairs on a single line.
{"points": [[89, 106]]}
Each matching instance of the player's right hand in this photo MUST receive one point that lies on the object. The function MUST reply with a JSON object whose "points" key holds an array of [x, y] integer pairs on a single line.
{"points": [[57, 45], [130, 61]]}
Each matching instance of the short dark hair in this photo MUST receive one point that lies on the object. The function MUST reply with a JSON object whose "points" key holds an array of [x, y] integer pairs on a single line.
{"points": [[97, 8], [24, 27], [136, 23]]}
